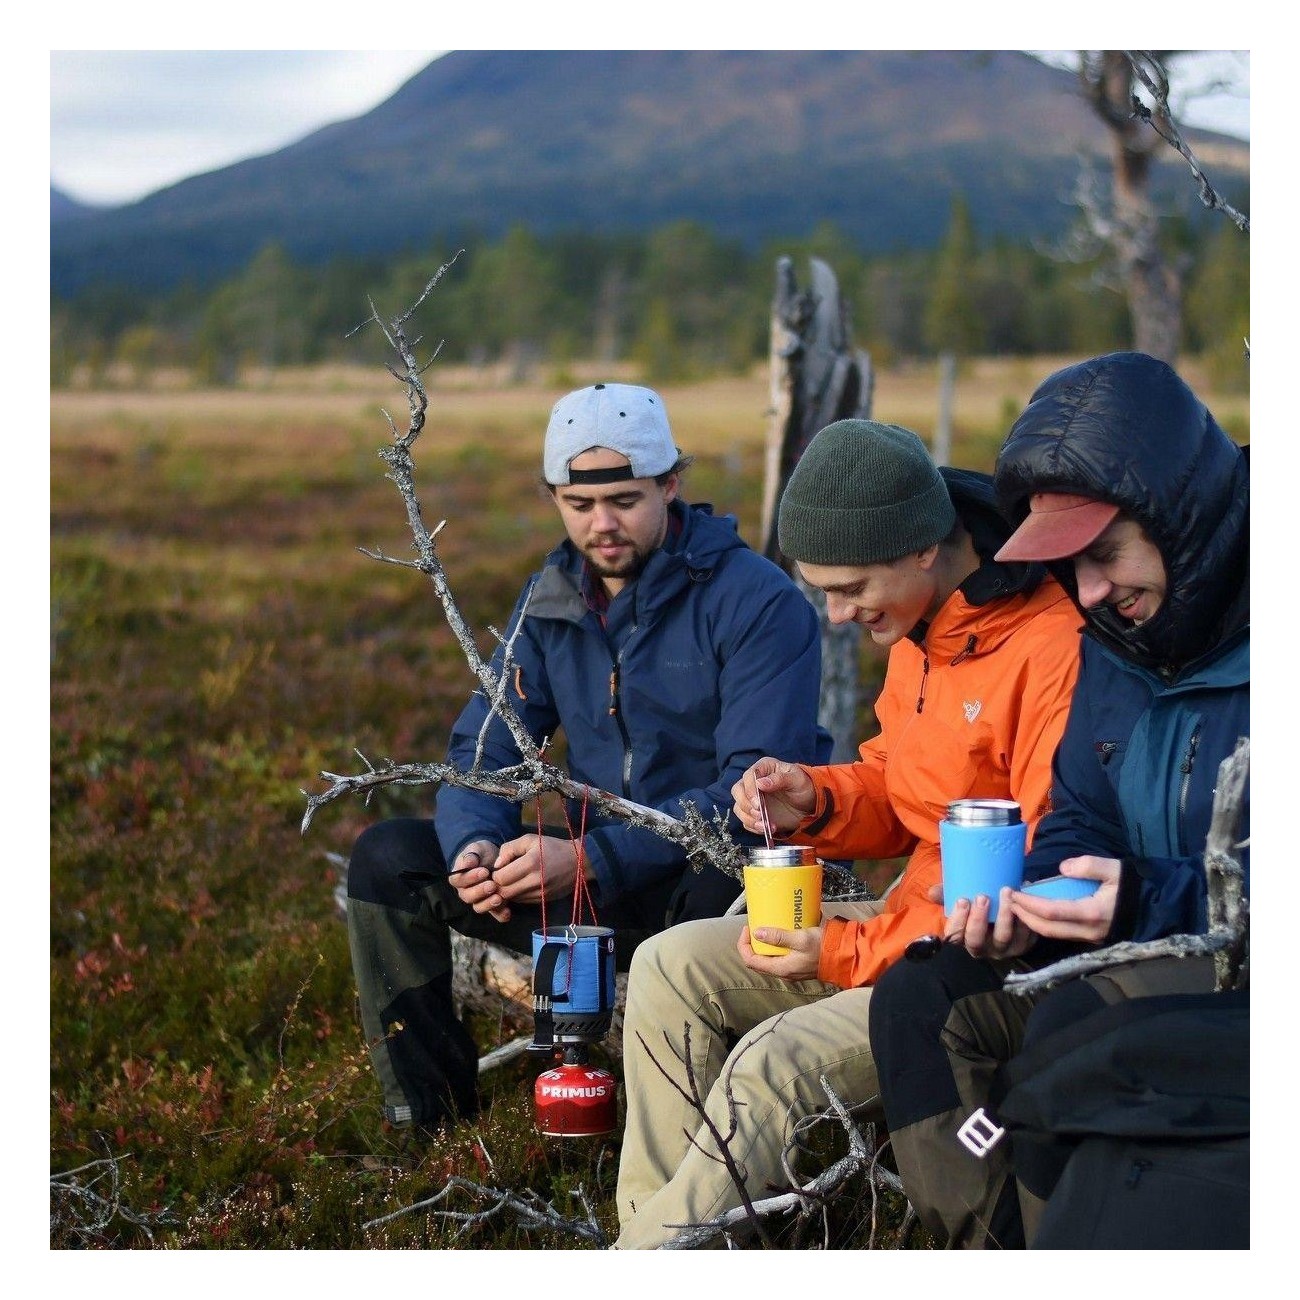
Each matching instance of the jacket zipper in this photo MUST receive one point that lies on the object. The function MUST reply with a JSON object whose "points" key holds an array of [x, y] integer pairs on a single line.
{"points": [[968, 650], [616, 712], [1185, 768]]}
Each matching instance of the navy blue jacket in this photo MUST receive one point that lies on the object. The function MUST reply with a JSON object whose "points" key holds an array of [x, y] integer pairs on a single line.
{"points": [[708, 661], [1157, 707]]}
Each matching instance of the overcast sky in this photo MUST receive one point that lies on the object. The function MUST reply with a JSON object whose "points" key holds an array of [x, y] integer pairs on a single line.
{"points": [[124, 123]]}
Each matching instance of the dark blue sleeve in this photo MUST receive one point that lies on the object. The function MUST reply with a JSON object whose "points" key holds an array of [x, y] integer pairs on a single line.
{"points": [[1159, 897], [464, 815], [1085, 816]]}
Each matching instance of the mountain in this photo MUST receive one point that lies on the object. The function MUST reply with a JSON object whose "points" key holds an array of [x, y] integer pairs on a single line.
{"points": [[757, 144], [63, 207]]}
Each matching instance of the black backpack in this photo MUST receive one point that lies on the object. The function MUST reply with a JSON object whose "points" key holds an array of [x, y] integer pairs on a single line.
{"points": [[1147, 1102]]}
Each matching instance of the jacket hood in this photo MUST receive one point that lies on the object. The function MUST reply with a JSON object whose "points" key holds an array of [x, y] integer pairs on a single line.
{"points": [[976, 505], [1125, 428]]}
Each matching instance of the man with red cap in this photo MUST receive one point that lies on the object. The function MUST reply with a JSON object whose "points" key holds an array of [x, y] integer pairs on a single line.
{"points": [[1119, 479]]}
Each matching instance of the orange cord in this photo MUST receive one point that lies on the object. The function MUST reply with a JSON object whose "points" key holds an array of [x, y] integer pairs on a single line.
{"points": [[581, 892]]}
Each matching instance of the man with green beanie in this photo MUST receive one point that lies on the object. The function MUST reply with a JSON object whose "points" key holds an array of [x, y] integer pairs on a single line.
{"points": [[982, 663]]}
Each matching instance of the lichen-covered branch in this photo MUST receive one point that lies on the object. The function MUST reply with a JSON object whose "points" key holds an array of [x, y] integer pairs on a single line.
{"points": [[86, 1201], [527, 781], [529, 1210], [704, 841]]}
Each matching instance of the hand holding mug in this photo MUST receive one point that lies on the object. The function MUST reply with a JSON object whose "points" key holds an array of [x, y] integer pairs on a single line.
{"points": [[800, 960]]}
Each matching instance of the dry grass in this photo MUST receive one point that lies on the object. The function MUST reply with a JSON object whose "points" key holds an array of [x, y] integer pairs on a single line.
{"points": [[710, 417]]}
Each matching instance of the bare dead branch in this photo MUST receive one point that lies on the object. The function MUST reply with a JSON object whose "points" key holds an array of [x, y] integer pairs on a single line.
{"points": [[86, 1200], [703, 842], [1151, 73], [806, 1198], [813, 1196], [691, 1094]]}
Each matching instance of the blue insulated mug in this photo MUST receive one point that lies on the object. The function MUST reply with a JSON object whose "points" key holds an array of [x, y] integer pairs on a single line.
{"points": [[982, 848], [573, 984]]}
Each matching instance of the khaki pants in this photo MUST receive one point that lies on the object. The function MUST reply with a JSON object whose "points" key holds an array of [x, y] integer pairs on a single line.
{"points": [[758, 1048]]}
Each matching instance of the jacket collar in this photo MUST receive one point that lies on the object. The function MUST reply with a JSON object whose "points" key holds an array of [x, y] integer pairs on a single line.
{"points": [[695, 543]]}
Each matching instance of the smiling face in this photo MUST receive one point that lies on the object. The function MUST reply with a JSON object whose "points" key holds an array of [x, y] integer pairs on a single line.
{"points": [[887, 600], [1122, 569], [617, 526]]}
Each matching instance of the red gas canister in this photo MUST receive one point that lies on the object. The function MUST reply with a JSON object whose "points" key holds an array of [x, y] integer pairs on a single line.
{"points": [[575, 1100]]}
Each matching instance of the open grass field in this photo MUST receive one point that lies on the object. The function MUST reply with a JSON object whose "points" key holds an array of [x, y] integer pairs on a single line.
{"points": [[216, 641]]}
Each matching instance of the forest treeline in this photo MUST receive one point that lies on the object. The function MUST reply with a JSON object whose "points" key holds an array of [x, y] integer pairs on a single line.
{"points": [[680, 301]]}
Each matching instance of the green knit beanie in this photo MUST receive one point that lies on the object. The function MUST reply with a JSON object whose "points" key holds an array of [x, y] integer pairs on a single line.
{"points": [[863, 493]]}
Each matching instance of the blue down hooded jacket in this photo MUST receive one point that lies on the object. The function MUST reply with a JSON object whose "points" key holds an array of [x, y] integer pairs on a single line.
{"points": [[1157, 707], [710, 660]]}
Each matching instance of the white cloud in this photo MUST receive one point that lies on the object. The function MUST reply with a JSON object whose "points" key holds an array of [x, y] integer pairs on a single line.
{"points": [[126, 122]]}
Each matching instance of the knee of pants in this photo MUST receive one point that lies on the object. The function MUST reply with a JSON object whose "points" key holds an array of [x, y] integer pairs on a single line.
{"points": [[389, 858], [667, 958], [757, 1061], [646, 965]]}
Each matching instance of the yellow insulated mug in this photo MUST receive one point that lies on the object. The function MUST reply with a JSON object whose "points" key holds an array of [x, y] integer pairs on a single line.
{"points": [[783, 890]]}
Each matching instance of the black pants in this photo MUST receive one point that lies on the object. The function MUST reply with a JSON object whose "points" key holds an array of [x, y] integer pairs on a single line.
{"points": [[401, 911], [940, 1033]]}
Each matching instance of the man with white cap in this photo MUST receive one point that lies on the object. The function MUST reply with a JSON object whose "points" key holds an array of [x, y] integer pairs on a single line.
{"points": [[671, 656]]}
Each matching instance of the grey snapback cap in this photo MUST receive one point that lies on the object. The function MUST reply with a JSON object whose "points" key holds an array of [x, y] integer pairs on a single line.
{"points": [[623, 417]]}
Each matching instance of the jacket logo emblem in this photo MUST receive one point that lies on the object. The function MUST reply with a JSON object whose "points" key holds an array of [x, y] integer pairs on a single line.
{"points": [[971, 708]]}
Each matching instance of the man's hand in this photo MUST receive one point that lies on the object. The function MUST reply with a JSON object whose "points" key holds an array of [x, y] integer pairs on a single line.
{"points": [[526, 865], [800, 963], [471, 877], [968, 925], [1085, 920], [787, 791]]}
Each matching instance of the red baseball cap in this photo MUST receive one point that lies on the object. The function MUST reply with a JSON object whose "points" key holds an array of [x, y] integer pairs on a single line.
{"points": [[1058, 525]]}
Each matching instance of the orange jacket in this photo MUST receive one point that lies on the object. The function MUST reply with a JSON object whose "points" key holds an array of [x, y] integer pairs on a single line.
{"points": [[976, 713]]}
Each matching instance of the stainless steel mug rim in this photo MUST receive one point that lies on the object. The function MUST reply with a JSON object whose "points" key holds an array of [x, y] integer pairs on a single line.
{"points": [[561, 933], [984, 812], [783, 855]]}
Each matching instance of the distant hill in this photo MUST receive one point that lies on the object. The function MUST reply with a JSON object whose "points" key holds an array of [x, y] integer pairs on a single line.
{"points": [[63, 207], [757, 144]]}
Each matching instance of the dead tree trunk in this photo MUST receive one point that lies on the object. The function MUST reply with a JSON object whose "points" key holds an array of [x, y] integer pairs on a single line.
{"points": [[1152, 282], [817, 377]]}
